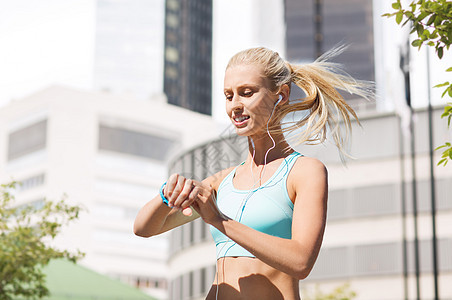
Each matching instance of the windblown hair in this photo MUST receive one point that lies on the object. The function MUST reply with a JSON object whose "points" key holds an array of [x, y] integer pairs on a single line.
{"points": [[324, 106]]}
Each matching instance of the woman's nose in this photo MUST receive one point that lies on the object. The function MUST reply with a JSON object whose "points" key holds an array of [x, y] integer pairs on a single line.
{"points": [[236, 103]]}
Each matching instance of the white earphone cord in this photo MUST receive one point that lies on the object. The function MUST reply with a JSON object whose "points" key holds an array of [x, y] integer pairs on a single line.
{"points": [[250, 193]]}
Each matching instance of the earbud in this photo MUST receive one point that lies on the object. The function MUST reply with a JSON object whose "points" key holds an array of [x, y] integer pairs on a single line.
{"points": [[279, 99]]}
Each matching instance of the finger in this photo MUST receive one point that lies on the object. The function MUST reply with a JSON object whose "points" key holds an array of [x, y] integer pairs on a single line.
{"points": [[187, 211], [190, 200], [170, 185], [184, 193], [205, 192], [192, 196], [178, 187]]}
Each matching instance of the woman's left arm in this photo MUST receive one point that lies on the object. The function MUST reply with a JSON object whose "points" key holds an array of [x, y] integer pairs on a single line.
{"points": [[308, 183]]}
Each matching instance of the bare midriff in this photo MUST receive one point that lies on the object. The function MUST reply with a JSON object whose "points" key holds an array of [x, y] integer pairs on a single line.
{"points": [[249, 278]]}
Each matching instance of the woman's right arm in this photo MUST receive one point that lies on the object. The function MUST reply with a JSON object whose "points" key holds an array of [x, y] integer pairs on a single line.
{"points": [[156, 217]]}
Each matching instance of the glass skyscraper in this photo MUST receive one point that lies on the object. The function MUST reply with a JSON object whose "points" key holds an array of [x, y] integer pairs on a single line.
{"points": [[188, 54], [316, 26]]}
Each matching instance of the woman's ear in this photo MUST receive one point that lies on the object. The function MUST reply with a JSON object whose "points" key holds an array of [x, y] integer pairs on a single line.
{"points": [[284, 93]]}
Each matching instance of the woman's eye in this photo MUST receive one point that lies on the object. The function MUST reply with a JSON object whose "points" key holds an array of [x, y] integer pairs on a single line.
{"points": [[228, 97], [247, 93]]}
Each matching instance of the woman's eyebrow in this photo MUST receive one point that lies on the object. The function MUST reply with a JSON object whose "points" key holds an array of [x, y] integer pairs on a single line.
{"points": [[242, 86], [245, 85]]}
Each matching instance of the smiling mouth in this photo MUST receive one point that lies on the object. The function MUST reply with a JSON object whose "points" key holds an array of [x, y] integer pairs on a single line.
{"points": [[240, 119]]}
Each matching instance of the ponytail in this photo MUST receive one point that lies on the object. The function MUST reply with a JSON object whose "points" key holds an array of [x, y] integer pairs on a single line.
{"points": [[324, 106]]}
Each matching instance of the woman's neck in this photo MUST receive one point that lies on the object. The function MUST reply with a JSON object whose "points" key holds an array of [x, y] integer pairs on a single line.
{"points": [[265, 150]]}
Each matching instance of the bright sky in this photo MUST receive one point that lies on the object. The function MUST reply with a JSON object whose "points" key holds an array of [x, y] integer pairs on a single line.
{"points": [[45, 42]]}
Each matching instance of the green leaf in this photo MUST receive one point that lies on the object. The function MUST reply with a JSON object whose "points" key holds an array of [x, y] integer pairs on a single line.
{"points": [[22, 248], [431, 19], [406, 21], [449, 70], [416, 43], [409, 15], [440, 52], [422, 16], [426, 33], [399, 17], [396, 5], [442, 161], [434, 34], [419, 29], [447, 111], [441, 84]]}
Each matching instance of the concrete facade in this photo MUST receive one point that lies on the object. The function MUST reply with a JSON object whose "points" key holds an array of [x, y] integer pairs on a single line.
{"points": [[363, 242], [109, 155]]}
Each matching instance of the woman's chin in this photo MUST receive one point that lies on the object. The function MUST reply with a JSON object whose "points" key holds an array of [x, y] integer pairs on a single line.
{"points": [[243, 131], [240, 132]]}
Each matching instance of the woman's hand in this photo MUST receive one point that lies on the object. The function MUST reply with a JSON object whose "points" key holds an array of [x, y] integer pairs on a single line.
{"points": [[206, 206], [181, 192]]}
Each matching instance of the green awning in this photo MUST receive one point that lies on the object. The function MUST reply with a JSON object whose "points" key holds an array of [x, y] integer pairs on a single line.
{"points": [[66, 280]]}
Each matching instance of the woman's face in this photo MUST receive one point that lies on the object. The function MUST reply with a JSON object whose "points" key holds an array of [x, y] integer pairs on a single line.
{"points": [[249, 101]]}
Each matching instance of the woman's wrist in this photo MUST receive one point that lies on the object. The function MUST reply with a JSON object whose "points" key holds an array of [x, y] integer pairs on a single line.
{"points": [[218, 221], [162, 194]]}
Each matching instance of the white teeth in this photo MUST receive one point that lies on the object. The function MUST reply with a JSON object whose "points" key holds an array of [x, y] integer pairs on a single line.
{"points": [[241, 118]]}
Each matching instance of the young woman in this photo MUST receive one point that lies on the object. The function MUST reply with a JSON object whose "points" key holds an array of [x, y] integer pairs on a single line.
{"points": [[268, 214]]}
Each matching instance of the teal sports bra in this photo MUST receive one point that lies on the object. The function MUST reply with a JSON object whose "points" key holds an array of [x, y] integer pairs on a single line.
{"points": [[267, 208]]}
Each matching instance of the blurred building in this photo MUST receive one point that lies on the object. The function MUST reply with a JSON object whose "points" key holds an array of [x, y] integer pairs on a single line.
{"points": [[316, 26], [108, 154], [146, 47], [188, 54], [129, 39], [363, 242], [239, 25]]}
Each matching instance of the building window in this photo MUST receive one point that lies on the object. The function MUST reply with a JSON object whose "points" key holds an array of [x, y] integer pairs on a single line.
{"points": [[172, 54], [190, 284], [134, 143], [171, 73], [203, 281], [31, 182], [172, 4], [203, 231], [192, 232], [172, 21], [27, 140], [36, 204], [145, 282]]}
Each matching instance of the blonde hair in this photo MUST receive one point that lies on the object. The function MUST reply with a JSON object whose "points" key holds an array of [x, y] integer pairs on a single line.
{"points": [[320, 80]]}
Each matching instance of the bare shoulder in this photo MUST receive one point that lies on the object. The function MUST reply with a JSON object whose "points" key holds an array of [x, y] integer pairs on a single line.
{"points": [[215, 180], [309, 166], [307, 173]]}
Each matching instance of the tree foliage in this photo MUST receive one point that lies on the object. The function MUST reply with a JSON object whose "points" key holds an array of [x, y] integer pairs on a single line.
{"points": [[24, 235], [342, 292], [447, 153], [431, 22]]}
